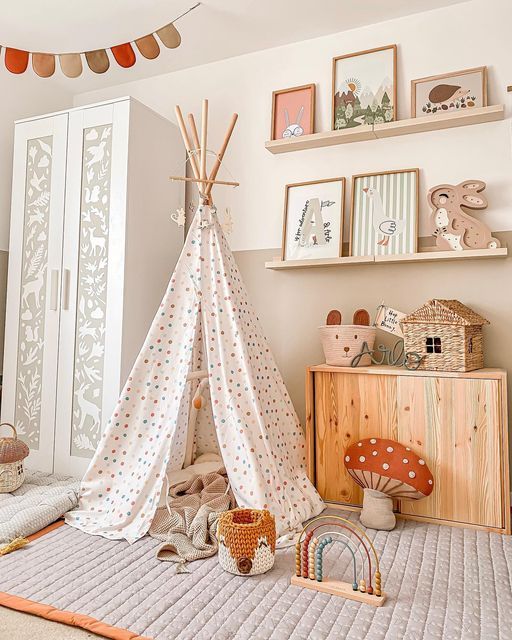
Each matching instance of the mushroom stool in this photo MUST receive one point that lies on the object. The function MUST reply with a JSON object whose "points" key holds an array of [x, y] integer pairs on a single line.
{"points": [[386, 469]]}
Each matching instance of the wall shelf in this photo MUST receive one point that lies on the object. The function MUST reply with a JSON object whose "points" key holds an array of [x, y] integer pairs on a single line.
{"points": [[422, 256], [387, 130]]}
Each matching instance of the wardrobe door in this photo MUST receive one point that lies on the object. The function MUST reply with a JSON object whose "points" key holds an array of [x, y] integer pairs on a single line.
{"points": [[93, 277], [35, 254]]}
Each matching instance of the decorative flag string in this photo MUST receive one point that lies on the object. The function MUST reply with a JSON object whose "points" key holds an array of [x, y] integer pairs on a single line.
{"points": [[98, 61]]}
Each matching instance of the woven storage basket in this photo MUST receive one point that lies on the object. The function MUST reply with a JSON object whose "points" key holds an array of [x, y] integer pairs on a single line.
{"points": [[342, 342], [247, 541], [12, 454]]}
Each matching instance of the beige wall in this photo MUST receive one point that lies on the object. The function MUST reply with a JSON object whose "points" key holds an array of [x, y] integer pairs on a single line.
{"points": [[291, 304]]}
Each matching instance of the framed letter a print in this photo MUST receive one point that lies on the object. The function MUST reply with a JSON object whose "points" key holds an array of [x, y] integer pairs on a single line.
{"points": [[313, 219], [384, 215]]}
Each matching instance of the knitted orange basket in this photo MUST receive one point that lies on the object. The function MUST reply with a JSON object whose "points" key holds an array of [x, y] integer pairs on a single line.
{"points": [[247, 541]]}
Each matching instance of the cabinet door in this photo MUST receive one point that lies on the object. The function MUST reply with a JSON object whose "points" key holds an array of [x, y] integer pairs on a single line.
{"points": [[35, 254], [349, 407], [455, 423], [93, 277]]}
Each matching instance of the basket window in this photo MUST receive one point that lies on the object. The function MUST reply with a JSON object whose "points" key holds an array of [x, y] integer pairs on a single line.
{"points": [[433, 345], [470, 345]]}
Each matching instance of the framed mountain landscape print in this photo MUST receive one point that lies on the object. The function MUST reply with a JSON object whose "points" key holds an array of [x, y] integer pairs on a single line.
{"points": [[384, 213], [364, 88], [313, 219], [457, 91]]}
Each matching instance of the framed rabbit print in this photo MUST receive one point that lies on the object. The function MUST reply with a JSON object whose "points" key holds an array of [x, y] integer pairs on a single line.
{"points": [[364, 88], [293, 112], [313, 219], [384, 214]]}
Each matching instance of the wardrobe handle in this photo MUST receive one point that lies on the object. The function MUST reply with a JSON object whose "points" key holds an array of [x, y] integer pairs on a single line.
{"points": [[65, 289], [54, 290]]}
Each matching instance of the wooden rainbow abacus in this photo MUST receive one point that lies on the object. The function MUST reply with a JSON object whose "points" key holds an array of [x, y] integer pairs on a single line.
{"points": [[309, 561]]}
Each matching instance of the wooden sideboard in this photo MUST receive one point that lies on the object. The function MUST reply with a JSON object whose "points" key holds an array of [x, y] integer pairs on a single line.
{"points": [[456, 421]]}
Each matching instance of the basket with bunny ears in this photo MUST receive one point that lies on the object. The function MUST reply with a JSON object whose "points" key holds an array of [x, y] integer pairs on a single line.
{"points": [[342, 342]]}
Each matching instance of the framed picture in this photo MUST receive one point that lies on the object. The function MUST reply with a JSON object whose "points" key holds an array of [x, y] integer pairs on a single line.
{"points": [[313, 219], [449, 92], [364, 88], [384, 213], [293, 112]]}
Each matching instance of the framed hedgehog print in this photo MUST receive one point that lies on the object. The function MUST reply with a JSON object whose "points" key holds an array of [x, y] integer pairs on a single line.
{"points": [[450, 92], [313, 219], [364, 88], [384, 213]]}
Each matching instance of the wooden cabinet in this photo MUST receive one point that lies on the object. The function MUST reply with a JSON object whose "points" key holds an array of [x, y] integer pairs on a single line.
{"points": [[457, 421], [91, 252]]}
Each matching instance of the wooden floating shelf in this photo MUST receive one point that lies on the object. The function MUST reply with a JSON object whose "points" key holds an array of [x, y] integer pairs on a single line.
{"points": [[388, 130], [338, 588], [422, 256]]}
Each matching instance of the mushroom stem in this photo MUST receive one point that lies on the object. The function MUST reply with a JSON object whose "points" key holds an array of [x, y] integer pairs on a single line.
{"points": [[377, 511]]}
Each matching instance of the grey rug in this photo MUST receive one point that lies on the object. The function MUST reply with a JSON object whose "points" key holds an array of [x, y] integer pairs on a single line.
{"points": [[442, 583], [41, 499]]}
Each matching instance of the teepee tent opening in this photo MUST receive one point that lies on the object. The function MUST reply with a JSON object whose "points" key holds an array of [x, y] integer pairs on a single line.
{"points": [[205, 346]]}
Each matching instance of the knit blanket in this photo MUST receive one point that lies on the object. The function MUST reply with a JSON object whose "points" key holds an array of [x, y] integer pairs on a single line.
{"points": [[188, 528], [41, 499]]}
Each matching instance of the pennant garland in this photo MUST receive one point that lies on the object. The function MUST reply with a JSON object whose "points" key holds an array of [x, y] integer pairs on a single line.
{"points": [[44, 64]]}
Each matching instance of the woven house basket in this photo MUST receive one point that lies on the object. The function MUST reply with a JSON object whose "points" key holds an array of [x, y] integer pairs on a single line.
{"points": [[342, 342], [12, 454], [247, 541]]}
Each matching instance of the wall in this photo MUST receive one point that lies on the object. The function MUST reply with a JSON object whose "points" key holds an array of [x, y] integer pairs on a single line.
{"points": [[23, 96], [292, 304]]}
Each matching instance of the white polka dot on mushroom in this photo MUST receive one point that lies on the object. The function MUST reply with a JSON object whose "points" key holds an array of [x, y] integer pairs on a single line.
{"points": [[372, 441], [420, 461], [359, 444], [362, 458], [412, 474], [385, 466], [389, 449], [347, 458], [374, 453], [405, 461]]}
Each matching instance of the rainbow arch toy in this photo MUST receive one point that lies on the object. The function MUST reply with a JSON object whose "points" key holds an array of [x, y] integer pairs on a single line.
{"points": [[366, 585]]}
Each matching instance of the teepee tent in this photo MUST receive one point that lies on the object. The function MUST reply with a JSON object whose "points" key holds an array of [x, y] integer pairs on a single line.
{"points": [[204, 340]]}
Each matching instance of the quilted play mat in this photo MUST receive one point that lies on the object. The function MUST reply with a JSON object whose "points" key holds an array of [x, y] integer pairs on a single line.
{"points": [[442, 583]]}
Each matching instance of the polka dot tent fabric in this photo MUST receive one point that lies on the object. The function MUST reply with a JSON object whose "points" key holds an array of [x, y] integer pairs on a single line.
{"points": [[258, 433]]}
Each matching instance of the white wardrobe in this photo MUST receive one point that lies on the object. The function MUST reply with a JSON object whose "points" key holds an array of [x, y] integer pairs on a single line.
{"points": [[92, 248]]}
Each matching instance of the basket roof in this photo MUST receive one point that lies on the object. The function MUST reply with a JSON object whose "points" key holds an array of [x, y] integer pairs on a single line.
{"points": [[445, 312]]}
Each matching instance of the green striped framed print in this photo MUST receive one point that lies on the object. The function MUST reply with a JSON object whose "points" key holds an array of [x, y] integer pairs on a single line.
{"points": [[384, 214]]}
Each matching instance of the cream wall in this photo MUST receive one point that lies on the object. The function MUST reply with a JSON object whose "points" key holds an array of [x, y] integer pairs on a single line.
{"points": [[292, 304], [460, 36]]}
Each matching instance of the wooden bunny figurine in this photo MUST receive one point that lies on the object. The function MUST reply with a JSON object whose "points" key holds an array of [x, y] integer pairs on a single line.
{"points": [[451, 225]]}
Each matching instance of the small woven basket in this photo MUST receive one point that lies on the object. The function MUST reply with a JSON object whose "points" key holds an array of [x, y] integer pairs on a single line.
{"points": [[12, 454], [342, 342], [247, 541]]}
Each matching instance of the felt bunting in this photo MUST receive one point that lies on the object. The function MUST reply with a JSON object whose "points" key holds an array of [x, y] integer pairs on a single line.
{"points": [[43, 63]]}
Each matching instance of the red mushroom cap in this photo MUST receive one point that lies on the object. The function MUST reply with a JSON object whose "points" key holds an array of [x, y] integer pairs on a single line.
{"points": [[390, 467]]}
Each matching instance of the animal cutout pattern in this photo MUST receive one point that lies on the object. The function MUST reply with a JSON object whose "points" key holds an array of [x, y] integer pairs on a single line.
{"points": [[29, 371], [453, 228], [260, 437], [92, 291]]}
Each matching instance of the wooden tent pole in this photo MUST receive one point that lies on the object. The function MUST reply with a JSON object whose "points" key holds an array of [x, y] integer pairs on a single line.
{"points": [[186, 142], [204, 142], [221, 153], [193, 129]]}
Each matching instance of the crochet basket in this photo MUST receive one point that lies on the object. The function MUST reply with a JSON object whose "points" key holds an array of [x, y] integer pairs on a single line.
{"points": [[12, 454], [342, 342], [247, 541]]}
